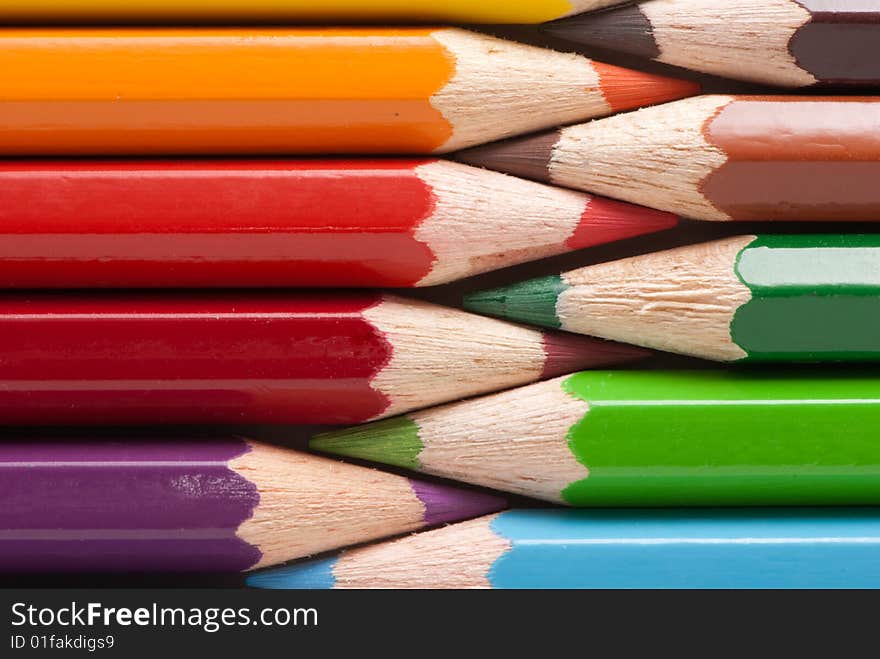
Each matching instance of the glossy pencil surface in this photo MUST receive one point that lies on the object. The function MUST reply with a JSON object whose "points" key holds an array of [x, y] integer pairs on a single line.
{"points": [[240, 11], [198, 504], [224, 223], [790, 43], [649, 438], [198, 357], [748, 298], [92, 91], [717, 157], [674, 548]]}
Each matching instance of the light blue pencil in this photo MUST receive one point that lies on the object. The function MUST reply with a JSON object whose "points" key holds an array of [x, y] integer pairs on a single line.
{"points": [[675, 548]]}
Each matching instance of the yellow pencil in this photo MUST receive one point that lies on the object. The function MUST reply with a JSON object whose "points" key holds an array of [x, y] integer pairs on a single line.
{"points": [[455, 11]]}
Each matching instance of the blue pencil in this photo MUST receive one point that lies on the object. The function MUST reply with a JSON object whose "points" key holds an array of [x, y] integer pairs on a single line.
{"points": [[675, 548]]}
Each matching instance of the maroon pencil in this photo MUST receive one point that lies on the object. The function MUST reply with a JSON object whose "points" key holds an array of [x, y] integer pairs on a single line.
{"points": [[261, 357]]}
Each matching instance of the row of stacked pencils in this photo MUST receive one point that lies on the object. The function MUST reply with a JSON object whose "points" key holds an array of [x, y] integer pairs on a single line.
{"points": [[200, 227]]}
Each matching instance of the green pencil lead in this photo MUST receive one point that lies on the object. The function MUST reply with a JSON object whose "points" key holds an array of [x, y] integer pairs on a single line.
{"points": [[532, 301], [390, 441]]}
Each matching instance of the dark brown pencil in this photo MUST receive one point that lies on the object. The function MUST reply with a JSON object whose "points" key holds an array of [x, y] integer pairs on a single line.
{"points": [[789, 43]]}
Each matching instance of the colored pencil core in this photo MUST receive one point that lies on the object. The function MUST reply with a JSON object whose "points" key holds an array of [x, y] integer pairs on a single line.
{"points": [[606, 220], [448, 504], [626, 89], [393, 441], [625, 29], [532, 301]]}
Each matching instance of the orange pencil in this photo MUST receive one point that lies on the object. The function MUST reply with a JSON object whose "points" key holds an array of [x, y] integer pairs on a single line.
{"points": [[287, 90]]}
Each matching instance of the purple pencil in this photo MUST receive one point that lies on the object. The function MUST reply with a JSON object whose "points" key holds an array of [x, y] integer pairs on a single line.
{"points": [[226, 504]]}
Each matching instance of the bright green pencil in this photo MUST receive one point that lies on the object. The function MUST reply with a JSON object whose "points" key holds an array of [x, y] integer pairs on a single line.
{"points": [[650, 438]]}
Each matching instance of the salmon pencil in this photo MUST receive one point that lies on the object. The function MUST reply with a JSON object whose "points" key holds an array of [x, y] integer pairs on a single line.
{"points": [[222, 223], [257, 357], [240, 11], [674, 548], [786, 43], [649, 438], [93, 91], [717, 157], [207, 504], [746, 298]]}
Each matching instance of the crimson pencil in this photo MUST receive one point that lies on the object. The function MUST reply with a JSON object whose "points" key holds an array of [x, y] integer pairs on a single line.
{"points": [[87, 224], [260, 357]]}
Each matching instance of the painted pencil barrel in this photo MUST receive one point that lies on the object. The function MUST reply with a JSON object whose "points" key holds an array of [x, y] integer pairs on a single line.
{"points": [[675, 548], [197, 504], [650, 438], [352, 223], [240, 11], [258, 357], [795, 298], [123, 91]]}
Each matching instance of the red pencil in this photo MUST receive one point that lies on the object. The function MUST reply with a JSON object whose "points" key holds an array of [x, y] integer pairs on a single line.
{"points": [[260, 357], [286, 223]]}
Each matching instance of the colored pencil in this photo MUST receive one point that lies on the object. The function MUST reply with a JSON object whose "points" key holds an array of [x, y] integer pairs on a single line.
{"points": [[745, 298], [717, 157], [87, 224], [97, 91], [675, 548], [649, 438], [240, 11], [787, 43], [206, 505], [311, 357]]}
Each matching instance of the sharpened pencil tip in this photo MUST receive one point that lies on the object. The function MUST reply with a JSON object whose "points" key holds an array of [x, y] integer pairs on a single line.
{"points": [[606, 220], [627, 89], [532, 301], [396, 442], [444, 504], [392, 441], [568, 353], [310, 575], [528, 157], [622, 29]]}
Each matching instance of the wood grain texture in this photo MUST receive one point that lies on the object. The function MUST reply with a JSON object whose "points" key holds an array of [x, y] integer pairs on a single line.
{"points": [[310, 504], [458, 556], [471, 441], [680, 300], [659, 156]]}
